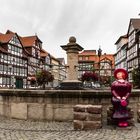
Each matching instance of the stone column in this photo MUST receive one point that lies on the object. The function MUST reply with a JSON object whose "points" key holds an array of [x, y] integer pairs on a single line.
{"points": [[72, 49], [72, 60]]}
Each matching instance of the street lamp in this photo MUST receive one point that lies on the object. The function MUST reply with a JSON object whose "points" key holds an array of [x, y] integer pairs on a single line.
{"points": [[99, 55]]}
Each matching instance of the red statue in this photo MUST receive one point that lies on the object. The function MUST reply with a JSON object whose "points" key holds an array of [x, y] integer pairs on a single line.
{"points": [[120, 90]]}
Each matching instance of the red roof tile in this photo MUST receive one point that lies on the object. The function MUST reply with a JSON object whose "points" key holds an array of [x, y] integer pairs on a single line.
{"points": [[28, 41], [43, 53], [123, 36], [9, 32], [5, 38], [136, 23], [88, 52]]}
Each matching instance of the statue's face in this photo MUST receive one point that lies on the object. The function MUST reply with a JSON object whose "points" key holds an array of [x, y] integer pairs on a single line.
{"points": [[120, 75]]}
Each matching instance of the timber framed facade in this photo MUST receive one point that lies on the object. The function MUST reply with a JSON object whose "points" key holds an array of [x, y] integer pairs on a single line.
{"points": [[13, 61]]}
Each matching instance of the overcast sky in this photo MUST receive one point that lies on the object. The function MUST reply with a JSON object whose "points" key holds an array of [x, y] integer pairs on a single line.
{"points": [[92, 22]]}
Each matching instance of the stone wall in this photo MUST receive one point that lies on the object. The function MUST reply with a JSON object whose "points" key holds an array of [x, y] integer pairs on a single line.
{"points": [[55, 105], [87, 117]]}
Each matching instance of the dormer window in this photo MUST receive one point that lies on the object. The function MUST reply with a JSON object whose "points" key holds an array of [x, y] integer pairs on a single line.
{"points": [[15, 41]]}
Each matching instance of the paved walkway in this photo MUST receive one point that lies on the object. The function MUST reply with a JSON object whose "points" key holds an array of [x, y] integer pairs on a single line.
{"points": [[29, 130]]}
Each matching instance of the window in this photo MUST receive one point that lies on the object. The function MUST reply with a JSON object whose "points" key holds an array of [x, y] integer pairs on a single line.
{"points": [[33, 51], [9, 48], [5, 68], [25, 72], [8, 81], [131, 39], [80, 58], [4, 81], [14, 70], [18, 70], [1, 67], [21, 71], [12, 48], [20, 61], [86, 58], [15, 41], [0, 80], [132, 52], [5, 57]]}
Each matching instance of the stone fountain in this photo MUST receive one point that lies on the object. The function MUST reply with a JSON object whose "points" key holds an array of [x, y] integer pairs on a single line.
{"points": [[72, 49]]}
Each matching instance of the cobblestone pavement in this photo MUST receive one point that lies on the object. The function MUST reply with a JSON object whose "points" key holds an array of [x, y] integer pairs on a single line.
{"points": [[31, 130]]}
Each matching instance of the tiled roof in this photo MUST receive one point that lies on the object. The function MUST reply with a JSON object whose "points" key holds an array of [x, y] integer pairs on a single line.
{"points": [[136, 23], [61, 60], [88, 52], [5, 38], [9, 32], [43, 53], [123, 36], [28, 41], [95, 58]]}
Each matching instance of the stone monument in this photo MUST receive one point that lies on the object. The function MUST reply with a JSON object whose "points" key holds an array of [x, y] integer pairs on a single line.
{"points": [[72, 49]]}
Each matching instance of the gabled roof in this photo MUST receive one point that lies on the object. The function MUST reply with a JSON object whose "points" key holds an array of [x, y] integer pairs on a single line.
{"points": [[5, 38], [135, 22], [123, 36], [62, 60], [105, 58], [43, 53], [9, 32], [88, 52], [29, 40]]}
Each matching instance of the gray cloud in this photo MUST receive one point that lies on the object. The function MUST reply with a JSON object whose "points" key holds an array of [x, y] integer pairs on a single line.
{"points": [[93, 22]]}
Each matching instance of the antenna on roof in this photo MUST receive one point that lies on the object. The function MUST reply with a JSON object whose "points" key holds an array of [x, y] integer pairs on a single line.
{"points": [[35, 34]]}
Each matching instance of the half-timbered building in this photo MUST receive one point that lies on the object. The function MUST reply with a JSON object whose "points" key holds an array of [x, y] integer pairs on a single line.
{"points": [[13, 61], [32, 47]]}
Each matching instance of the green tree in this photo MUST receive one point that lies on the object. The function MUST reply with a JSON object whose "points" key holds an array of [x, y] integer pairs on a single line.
{"points": [[43, 77], [136, 77]]}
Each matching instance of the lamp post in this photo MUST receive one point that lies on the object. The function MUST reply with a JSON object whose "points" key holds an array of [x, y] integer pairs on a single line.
{"points": [[99, 55]]}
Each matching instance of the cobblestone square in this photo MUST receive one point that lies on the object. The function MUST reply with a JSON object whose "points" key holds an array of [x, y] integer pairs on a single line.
{"points": [[33, 130]]}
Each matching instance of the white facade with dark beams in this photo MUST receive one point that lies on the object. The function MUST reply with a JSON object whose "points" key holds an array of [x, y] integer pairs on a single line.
{"points": [[120, 56], [13, 62], [133, 46], [32, 47]]}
